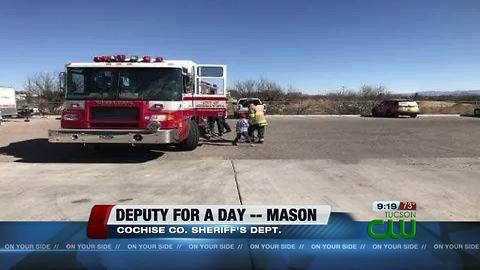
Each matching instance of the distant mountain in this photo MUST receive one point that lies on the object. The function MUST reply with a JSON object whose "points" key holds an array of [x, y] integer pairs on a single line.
{"points": [[456, 93]]}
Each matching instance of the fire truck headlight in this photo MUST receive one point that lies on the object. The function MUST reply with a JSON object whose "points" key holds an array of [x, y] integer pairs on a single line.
{"points": [[74, 104], [170, 117], [158, 117], [70, 117], [162, 117]]}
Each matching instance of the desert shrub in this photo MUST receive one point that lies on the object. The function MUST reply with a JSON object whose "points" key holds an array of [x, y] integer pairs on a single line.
{"points": [[291, 101], [361, 101]]}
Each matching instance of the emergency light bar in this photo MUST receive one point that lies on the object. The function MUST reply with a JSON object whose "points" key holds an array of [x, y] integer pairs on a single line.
{"points": [[123, 58]]}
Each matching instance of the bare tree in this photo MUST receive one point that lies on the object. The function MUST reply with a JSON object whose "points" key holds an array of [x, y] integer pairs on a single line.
{"points": [[261, 88], [373, 92], [43, 90]]}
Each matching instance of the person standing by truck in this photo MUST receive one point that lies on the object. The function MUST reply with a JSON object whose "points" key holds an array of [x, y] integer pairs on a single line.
{"points": [[258, 122], [212, 120], [223, 121], [222, 125]]}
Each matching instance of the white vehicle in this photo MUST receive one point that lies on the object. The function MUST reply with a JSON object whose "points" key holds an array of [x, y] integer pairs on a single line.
{"points": [[8, 103], [242, 105]]}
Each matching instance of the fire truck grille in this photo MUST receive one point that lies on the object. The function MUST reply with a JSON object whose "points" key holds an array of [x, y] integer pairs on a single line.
{"points": [[114, 125], [113, 114]]}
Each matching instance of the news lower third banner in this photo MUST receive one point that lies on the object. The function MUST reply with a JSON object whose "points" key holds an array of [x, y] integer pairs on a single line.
{"points": [[201, 221], [238, 237]]}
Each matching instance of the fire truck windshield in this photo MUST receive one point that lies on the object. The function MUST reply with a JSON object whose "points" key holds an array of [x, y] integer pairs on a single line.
{"points": [[124, 83]]}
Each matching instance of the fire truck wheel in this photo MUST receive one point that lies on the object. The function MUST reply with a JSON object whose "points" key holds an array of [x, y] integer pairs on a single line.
{"points": [[191, 142], [476, 112]]}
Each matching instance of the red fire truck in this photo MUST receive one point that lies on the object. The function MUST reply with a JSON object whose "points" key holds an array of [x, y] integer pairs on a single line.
{"points": [[132, 100]]}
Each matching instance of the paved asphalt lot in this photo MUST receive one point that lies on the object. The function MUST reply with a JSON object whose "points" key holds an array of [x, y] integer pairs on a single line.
{"points": [[347, 162]]}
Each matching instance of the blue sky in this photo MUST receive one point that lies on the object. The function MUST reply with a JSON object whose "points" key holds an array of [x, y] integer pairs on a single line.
{"points": [[313, 46]]}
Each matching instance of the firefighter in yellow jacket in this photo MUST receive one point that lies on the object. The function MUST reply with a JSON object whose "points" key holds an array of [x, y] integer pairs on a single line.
{"points": [[258, 122]]}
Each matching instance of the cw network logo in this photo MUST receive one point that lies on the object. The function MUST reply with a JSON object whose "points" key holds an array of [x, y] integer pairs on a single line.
{"points": [[390, 232]]}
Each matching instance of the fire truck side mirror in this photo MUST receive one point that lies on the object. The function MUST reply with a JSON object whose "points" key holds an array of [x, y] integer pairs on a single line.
{"points": [[62, 77], [187, 84]]}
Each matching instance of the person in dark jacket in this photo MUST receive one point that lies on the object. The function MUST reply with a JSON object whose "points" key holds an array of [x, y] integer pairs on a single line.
{"points": [[223, 122], [211, 120]]}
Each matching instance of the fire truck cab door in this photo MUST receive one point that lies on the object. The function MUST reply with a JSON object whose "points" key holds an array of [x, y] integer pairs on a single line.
{"points": [[211, 90], [214, 76]]}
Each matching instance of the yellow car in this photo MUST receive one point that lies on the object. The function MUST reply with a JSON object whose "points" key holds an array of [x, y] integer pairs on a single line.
{"points": [[395, 108]]}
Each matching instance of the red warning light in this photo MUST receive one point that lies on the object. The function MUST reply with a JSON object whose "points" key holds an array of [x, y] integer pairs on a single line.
{"points": [[120, 57]]}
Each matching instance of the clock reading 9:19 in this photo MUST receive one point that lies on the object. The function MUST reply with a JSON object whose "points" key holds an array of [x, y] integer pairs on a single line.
{"points": [[385, 205]]}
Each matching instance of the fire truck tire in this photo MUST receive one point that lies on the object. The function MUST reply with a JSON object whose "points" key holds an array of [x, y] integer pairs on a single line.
{"points": [[476, 112], [191, 142]]}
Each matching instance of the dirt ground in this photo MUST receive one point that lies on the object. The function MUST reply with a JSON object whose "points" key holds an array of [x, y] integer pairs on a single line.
{"points": [[343, 161]]}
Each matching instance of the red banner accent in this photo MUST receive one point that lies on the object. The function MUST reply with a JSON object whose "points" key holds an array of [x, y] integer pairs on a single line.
{"points": [[410, 206], [97, 223]]}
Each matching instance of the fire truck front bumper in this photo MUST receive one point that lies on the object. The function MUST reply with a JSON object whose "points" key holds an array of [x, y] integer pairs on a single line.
{"points": [[86, 136]]}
